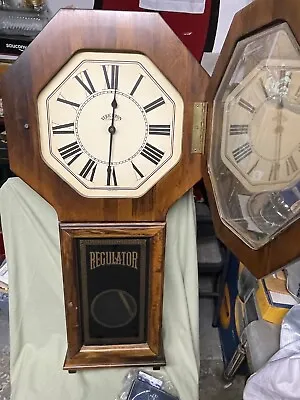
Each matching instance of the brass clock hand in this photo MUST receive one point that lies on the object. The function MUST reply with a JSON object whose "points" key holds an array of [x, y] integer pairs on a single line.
{"points": [[112, 131]]}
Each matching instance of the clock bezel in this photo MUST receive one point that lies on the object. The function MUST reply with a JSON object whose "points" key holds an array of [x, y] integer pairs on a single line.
{"points": [[67, 72]]}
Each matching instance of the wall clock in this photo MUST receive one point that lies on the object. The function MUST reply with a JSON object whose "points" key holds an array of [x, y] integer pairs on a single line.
{"points": [[106, 140], [252, 148]]}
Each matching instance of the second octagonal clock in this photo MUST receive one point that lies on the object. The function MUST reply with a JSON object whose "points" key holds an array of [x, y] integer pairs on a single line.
{"points": [[253, 144]]}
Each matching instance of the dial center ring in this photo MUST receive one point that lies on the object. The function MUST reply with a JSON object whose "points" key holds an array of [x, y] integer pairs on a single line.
{"points": [[131, 126]]}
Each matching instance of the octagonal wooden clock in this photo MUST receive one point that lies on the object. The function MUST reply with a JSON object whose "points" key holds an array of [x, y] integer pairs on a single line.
{"points": [[252, 163], [99, 112], [105, 112]]}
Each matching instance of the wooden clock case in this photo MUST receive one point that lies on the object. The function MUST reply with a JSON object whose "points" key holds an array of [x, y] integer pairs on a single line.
{"points": [[68, 32], [284, 247]]}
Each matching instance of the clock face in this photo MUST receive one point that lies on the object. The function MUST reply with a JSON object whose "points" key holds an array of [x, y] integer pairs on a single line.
{"points": [[261, 142], [254, 160], [110, 124]]}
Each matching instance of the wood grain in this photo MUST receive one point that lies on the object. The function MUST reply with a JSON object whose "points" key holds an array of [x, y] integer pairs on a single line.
{"points": [[114, 356], [68, 32], [150, 353], [285, 247]]}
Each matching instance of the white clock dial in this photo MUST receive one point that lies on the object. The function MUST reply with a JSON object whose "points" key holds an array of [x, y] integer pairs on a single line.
{"points": [[110, 124], [261, 142]]}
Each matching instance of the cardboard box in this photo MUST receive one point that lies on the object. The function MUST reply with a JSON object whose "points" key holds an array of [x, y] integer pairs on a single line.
{"points": [[272, 298]]}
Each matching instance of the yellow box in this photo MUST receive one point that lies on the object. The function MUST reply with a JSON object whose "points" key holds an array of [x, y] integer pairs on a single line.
{"points": [[272, 299]]}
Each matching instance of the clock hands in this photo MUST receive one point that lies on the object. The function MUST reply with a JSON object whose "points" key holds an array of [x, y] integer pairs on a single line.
{"points": [[278, 131], [281, 89], [112, 131]]}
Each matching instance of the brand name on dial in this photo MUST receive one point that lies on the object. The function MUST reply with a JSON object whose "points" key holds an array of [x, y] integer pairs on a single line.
{"points": [[108, 117]]}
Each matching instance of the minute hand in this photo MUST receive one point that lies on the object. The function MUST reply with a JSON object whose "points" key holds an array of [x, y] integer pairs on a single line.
{"points": [[112, 131], [278, 132]]}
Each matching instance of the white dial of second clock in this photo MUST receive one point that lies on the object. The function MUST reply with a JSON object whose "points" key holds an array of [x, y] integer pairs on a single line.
{"points": [[110, 127], [261, 141]]}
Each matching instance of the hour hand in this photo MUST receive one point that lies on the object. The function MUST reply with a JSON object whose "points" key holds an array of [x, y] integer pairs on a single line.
{"points": [[108, 175], [111, 177]]}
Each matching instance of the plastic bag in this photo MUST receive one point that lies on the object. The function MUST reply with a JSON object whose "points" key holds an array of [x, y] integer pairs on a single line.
{"points": [[141, 385]]}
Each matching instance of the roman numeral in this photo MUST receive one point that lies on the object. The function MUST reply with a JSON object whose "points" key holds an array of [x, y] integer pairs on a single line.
{"points": [[136, 85], [88, 86], [291, 165], [61, 129], [137, 170], [156, 103], [242, 152], [152, 153], [111, 173], [273, 176], [160, 130], [238, 129], [247, 106], [112, 82], [71, 150], [70, 103], [90, 167]]}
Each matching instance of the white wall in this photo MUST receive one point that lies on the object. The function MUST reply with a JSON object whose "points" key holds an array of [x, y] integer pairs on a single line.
{"points": [[55, 5]]}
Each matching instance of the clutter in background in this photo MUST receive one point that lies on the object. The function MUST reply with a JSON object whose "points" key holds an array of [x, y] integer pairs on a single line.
{"points": [[4, 287], [23, 18], [278, 379], [259, 309], [4, 276], [182, 6], [140, 385], [267, 298], [273, 298]]}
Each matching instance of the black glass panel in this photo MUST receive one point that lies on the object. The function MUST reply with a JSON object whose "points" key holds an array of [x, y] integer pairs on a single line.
{"points": [[113, 281]]}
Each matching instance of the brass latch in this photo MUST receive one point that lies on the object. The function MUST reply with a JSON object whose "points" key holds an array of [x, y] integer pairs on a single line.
{"points": [[199, 127]]}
